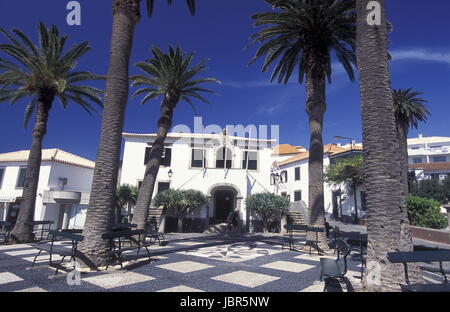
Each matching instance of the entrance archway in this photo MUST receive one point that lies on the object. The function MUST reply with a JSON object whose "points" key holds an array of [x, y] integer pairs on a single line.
{"points": [[223, 204], [224, 199]]}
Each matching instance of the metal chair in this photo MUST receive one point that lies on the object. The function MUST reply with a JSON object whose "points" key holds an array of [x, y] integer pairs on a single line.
{"points": [[5, 228], [330, 268]]}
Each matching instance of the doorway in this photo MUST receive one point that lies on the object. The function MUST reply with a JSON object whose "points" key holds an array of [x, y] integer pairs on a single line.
{"points": [[223, 204]]}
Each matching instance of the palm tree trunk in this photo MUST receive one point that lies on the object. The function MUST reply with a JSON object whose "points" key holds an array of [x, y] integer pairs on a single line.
{"points": [[141, 211], [402, 135], [22, 231], [356, 202], [180, 224], [387, 223], [316, 107], [100, 214]]}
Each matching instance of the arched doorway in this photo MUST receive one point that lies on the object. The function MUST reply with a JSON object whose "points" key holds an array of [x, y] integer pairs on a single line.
{"points": [[224, 199]]}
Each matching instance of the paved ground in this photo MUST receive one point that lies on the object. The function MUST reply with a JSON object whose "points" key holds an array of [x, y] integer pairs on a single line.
{"points": [[188, 263]]}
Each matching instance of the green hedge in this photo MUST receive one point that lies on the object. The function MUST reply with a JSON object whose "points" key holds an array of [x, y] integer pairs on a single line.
{"points": [[426, 213]]}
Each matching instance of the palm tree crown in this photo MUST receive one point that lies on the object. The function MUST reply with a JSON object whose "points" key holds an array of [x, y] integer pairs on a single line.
{"points": [[150, 5], [409, 108], [171, 76], [44, 71], [303, 33]]}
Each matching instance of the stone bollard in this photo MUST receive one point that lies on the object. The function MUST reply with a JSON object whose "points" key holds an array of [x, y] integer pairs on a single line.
{"points": [[448, 214]]}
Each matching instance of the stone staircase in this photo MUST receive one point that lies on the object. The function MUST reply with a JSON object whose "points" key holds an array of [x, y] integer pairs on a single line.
{"points": [[295, 218], [155, 214], [216, 229]]}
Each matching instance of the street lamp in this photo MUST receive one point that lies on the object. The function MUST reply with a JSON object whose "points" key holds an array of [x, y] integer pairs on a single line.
{"points": [[170, 174], [338, 137]]}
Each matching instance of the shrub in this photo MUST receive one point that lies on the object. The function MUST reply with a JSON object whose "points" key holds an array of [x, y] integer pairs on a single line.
{"points": [[267, 207], [432, 189], [181, 202], [426, 213]]}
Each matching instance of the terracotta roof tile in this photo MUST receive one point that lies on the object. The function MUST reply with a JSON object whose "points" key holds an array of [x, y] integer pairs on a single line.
{"points": [[439, 166], [285, 149], [54, 154]]}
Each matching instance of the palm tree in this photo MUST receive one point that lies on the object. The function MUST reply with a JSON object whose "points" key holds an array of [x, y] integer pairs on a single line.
{"points": [[126, 195], [409, 109], [100, 215], [168, 76], [43, 73], [388, 225], [302, 34]]}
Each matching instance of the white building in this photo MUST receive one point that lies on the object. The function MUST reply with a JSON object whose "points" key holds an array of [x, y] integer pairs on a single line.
{"points": [[215, 164], [429, 157], [290, 178], [63, 191]]}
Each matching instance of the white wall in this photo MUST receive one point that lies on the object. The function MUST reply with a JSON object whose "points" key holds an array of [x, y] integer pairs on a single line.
{"points": [[9, 190], [79, 180], [185, 177]]}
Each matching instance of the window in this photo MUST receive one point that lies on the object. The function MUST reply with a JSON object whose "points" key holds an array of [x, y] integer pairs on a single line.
{"points": [[197, 158], [417, 160], [297, 196], [2, 172], [252, 161], [415, 148], [21, 178], [273, 179], [220, 158], [165, 158], [297, 174], [439, 159], [162, 186], [363, 201]]}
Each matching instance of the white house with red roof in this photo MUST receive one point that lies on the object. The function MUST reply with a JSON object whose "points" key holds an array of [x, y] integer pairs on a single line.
{"points": [[63, 191], [290, 178]]}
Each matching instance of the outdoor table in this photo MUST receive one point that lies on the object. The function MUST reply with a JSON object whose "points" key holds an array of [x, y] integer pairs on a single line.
{"points": [[290, 228], [45, 227]]}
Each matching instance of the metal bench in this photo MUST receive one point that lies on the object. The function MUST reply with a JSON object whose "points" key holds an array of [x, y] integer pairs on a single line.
{"points": [[41, 227], [292, 228], [439, 256], [123, 226], [67, 244], [331, 268], [115, 244], [154, 235], [5, 229]]}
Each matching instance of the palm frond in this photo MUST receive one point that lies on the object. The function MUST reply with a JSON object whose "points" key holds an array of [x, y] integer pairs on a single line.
{"points": [[43, 70], [151, 4], [300, 36], [410, 108], [168, 74]]}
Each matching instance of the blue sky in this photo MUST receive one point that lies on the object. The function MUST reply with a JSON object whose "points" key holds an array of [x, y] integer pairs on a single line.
{"points": [[219, 31]]}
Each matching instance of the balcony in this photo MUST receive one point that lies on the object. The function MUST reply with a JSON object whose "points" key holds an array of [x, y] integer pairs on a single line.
{"points": [[429, 151]]}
